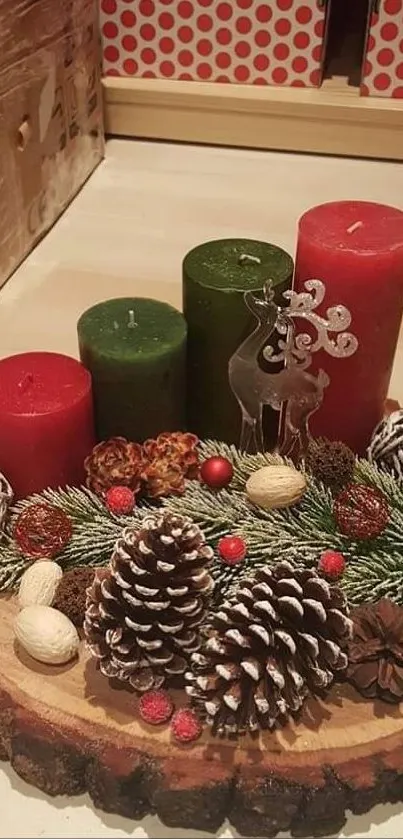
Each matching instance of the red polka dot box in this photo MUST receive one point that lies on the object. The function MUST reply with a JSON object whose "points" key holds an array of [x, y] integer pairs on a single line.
{"points": [[237, 41], [383, 66]]}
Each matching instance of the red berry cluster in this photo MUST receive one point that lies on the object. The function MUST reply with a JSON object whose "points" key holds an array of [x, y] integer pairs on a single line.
{"points": [[156, 707]]}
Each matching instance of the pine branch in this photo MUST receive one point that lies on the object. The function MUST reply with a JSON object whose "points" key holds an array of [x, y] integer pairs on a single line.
{"points": [[368, 473], [95, 530], [300, 533], [12, 564], [244, 464], [80, 504]]}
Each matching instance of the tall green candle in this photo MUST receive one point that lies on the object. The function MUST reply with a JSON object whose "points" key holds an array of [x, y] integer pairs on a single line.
{"points": [[215, 276], [135, 350]]}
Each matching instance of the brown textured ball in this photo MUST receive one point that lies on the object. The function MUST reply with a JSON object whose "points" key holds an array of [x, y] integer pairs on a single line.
{"points": [[330, 462], [70, 597]]}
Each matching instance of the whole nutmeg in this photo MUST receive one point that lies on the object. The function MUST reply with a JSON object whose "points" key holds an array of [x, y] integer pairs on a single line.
{"points": [[39, 583], [71, 593], [46, 634], [273, 487]]}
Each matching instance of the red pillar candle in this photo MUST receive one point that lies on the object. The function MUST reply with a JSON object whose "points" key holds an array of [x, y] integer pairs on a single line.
{"points": [[356, 249], [46, 421]]}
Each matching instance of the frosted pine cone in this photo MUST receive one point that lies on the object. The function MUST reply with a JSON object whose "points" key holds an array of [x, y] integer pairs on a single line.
{"points": [[6, 497], [114, 462], [386, 448], [280, 638], [142, 620]]}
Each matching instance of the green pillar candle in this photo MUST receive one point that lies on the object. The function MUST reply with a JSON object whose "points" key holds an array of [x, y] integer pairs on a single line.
{"points": [[135, 350], [215, 276]]}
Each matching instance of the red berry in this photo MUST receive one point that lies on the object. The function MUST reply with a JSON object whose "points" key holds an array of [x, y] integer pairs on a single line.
{"points": [[186, 726], [156, 707], [232, 549], [120, 500], [217, 472], [332, 564]]}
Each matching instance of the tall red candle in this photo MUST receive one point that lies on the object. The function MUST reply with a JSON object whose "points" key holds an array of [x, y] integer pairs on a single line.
{"points": [[356, 248], [46, 421]]}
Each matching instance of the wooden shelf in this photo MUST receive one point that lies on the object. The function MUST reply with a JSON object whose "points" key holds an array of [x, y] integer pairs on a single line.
{"points": [[333, 119]]}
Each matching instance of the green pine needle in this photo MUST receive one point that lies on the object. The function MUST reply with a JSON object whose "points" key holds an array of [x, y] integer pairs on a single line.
{"points": [[301, 533], [95, 530]]}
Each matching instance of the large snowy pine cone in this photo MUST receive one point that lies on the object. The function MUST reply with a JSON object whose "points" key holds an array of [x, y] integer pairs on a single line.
{"points": [[278, 639], [143, 617]]}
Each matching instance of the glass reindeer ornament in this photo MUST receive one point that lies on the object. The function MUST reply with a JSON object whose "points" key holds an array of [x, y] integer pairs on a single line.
{"points": [[292, 390]]}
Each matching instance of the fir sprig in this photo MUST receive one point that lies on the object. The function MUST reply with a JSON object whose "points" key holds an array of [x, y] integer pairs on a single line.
{"points": [[300, 533], [95, 530]]}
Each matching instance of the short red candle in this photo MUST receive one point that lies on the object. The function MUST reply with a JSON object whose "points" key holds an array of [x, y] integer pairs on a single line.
{"points": [[46, 421], [356, 249]]}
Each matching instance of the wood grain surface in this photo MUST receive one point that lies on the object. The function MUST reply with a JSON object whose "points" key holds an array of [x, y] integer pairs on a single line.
{"points": [[65, 730]]}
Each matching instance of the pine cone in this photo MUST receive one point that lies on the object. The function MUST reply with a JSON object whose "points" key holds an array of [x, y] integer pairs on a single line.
{"points": [[163, 478], [171, 458], [375, 651], [114, 462], [6, 497], [280, 638], [142, 621]]}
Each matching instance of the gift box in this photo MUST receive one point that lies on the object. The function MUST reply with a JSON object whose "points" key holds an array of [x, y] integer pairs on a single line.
{"points": [[237, 41], [51, 134], [383, 65]]}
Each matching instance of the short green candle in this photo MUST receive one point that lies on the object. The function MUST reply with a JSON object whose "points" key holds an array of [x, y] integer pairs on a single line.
{"points": [[215, 276], [135, 350]]}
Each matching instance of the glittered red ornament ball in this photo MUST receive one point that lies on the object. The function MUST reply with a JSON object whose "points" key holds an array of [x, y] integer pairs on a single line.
{"points": [[217, 472], [332, 564], [232, 549], [186, 726], [361, 511], [120, 500], [156, 707], [42, 531]]}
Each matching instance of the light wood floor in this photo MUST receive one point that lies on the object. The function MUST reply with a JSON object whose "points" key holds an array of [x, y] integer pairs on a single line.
{"points": [[147, 205], [126, 233]]}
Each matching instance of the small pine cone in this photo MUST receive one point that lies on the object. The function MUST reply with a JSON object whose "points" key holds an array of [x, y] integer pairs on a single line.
{"points": [[163, 478], [280, 638], [142, 621], [171, 458], [114, 462]]}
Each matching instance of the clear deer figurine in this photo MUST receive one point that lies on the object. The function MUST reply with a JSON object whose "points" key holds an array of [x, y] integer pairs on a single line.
{"points": [[292, 389]]}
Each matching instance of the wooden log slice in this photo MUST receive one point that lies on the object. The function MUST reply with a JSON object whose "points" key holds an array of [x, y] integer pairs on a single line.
{"points": [[65, 730]]}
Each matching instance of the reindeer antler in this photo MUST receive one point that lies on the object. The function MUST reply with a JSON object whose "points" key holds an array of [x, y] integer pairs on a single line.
{"points": [[338, 319], [268, 291]]}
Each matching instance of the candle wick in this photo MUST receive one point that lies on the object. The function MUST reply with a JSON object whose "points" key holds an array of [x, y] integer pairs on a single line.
{"points": [[355, 227], [248, 259], [132, 323], [26, 382]]}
